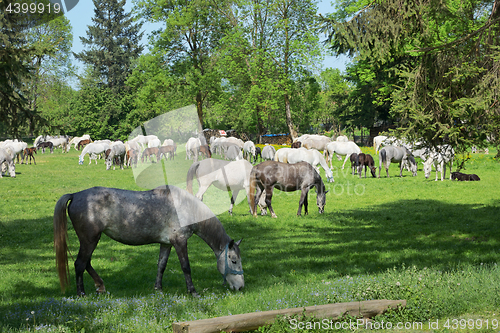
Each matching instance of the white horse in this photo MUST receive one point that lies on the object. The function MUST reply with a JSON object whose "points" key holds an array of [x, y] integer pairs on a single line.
{"points": [[154, 143], [117, 150], [343, 149], [268, 153], [249, 150], [60, 142], [76, 140], [193, 148], [6, 158], [311, 156], [342, 138], [93, 149], [16, 148], [226, 176], [438, 157], [234, 153], [395, 154], [236, 141], [315, 141]]}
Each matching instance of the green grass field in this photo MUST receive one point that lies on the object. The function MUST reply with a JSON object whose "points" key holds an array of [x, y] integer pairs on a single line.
{"points": [[435, 244]]}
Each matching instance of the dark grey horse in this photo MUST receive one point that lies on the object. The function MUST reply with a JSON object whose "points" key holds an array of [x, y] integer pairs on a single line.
{"points": [[288, 178], [166, 215], [394, 154]]}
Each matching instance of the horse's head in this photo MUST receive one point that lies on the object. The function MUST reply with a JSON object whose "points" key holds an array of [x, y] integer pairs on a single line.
{"points": [[428, 167], [413, 165], [321, 200], [229, 265]]}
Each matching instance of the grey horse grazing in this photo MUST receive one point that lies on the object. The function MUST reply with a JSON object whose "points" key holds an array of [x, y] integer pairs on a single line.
{"points": [[7, 159], [226, 176], [288, 178], [166, 215], [401, 155]]}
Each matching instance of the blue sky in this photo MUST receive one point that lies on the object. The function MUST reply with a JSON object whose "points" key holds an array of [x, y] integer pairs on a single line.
{"points": [[80, 18]]}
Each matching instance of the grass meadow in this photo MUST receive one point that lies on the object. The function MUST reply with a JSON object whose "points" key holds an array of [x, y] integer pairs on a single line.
{"points": [[435, 244]]}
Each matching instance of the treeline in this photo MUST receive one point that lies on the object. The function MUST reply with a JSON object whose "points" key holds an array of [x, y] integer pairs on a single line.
{"points": [[427, 69]]}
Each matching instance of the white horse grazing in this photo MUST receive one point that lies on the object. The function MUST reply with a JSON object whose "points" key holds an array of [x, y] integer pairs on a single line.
{"points": [[236, 141], [193, 148], [168, 142], [7, 159], [76, 140], [60, 142], [343, 149], [234, 153], [249, 150], [394, 154], [154, 143], [268, 153], [226, 176], [311, 156], [438, 157], [342, 138], [117, 150], [15, 148], [143, 140], [216, 146], [93, 149], [315, 141]]}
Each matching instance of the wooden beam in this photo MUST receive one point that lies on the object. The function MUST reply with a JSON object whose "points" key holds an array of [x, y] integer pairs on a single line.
{"points": [[252, 321]]}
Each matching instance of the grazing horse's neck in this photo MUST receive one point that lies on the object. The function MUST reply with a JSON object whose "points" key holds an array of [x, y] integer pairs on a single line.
{"points": [[213, 233]]}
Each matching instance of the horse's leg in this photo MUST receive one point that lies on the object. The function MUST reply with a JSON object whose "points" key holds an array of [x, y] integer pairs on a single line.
{"points": [[82, 263], [269, 196], [201, 190], [401, 166], [258, 193], [180, 245], [303, 201], [162, 264], [233, 200], [346, 157]]}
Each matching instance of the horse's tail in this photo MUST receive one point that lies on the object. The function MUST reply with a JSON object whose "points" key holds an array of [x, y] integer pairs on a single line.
{"points": [[190, 175], [251, 191], [383, 156], [60, 239]]}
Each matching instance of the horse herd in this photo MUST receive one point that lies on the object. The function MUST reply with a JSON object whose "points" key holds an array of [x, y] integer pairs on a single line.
{"points": [[169, 215]]}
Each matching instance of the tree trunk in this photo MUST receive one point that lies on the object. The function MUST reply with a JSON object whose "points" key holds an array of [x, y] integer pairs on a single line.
{"points": [[199, 108], [289, 123]]}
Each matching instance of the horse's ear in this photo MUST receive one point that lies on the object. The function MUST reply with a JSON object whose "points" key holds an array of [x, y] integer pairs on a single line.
{"points": [[231, 244], [238, 242], [327, 191]]}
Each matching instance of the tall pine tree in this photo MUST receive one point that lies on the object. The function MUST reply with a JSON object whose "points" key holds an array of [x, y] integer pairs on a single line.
{"points": [[113, 43]]}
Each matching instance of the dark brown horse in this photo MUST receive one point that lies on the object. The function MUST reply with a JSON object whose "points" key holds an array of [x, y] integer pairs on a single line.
{"points": [[28, 152], [366, 160], [288, 178], [149, 152], [464, 177], [83, 143], [164, 150], [354, 162]]}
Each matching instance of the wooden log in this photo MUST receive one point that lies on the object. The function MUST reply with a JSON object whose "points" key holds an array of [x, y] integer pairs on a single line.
{"points": [[252, 321]]}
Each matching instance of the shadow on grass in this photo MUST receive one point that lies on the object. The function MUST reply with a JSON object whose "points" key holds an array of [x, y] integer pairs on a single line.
{"points": [[424, 233]]}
